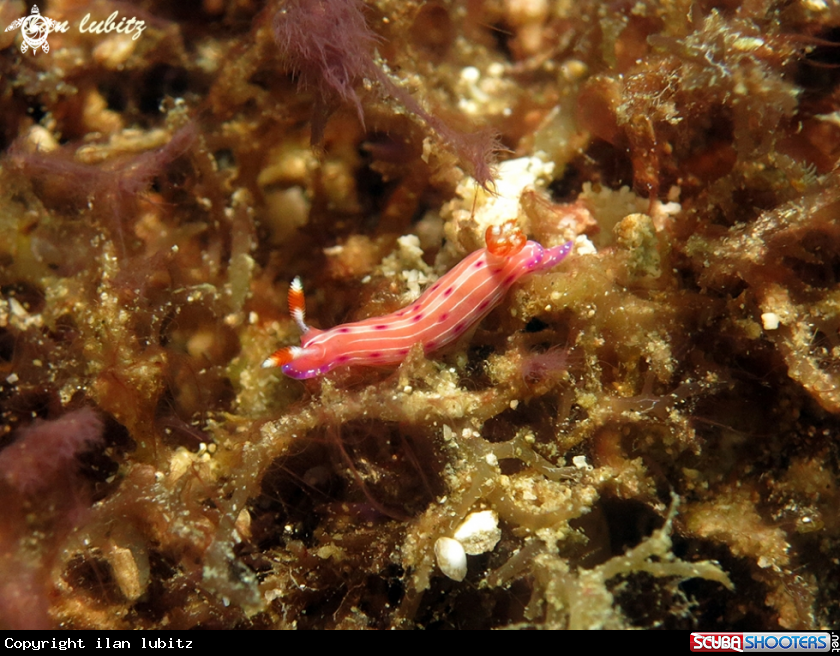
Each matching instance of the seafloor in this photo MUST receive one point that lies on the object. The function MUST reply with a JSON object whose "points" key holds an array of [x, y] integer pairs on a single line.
{"points": [[645, 436]]}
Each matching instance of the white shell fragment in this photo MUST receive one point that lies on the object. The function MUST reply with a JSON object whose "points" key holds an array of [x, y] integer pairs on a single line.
{"points": [[479, 532], [451, 558], [580, 463], [770, 321]]}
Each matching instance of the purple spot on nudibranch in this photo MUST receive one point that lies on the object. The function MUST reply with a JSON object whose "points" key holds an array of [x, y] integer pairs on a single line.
{"points": [[381, 326], [509, 279], [344, 330], [459, 327], [478, 264], [416, 318], [342, 358], [483, 305], [448, 291], [376, 354], [443, 317], [404, 351]]}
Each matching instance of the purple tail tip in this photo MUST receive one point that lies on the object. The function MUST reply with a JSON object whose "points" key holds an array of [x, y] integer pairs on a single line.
{"points": [[554, 256]]}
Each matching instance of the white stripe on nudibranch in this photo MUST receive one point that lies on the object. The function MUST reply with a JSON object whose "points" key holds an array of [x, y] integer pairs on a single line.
{"points": [[442, 314]]}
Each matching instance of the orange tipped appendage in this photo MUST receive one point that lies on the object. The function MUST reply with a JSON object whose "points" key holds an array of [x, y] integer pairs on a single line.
{"points": [[297, 304], [297, 308], [505, 240], [281, 357]]}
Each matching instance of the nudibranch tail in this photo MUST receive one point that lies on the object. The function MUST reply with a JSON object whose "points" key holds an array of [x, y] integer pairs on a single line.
{"points": [[553, 256]]}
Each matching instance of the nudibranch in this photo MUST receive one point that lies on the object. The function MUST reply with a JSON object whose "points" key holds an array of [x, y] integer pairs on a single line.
{"points": [[443, 312]]}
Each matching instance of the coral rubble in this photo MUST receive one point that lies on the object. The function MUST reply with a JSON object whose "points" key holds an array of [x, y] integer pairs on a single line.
{"points": [[642, 437]]}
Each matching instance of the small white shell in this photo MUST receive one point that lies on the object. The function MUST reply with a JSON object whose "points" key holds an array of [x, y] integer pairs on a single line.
{"points": [[580, 463], [479, 532], [770, 321], [451, 558]]}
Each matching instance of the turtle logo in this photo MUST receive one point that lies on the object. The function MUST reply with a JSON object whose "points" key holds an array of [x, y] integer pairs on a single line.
{"points": [[35, 29]]}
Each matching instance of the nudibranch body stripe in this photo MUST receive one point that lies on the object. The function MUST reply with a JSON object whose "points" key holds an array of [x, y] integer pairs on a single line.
{"points": [[443, 312]]}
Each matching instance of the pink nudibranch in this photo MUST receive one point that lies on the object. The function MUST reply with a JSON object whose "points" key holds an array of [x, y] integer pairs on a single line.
{"points": [[443, 312]]}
